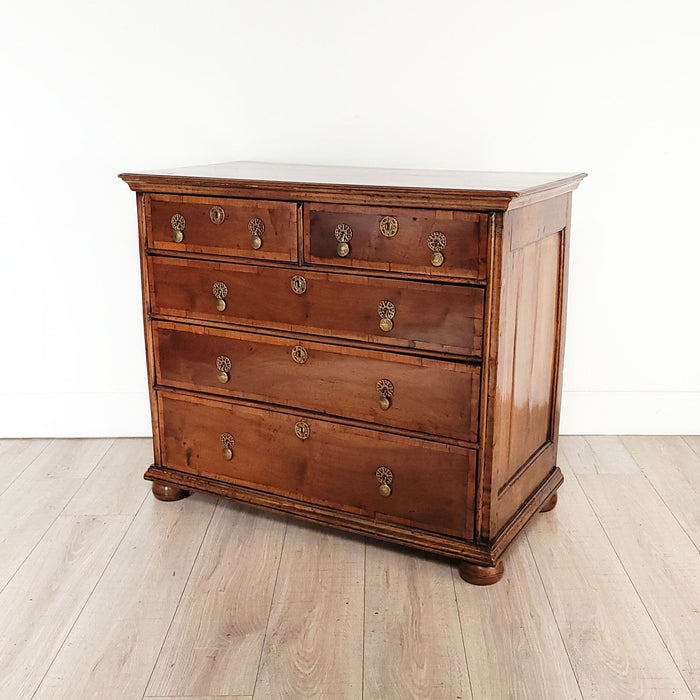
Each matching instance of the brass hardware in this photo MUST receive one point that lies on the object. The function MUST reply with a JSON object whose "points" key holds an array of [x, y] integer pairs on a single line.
{"points": [[228, 443], [343, 234], [384, 476], [302, 430], [177, 221], [437, 242], [386, 311], [220, 290], [386, 391], [389, 226], [223, 364], [298, 284], [299, 354], [256, 228], [217, 215]]}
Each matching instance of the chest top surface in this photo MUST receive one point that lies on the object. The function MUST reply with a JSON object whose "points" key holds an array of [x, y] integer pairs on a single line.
{"points": [[495, 189]]}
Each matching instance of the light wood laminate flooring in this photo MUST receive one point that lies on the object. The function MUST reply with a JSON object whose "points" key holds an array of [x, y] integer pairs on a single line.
{"points": [[107, 593]]}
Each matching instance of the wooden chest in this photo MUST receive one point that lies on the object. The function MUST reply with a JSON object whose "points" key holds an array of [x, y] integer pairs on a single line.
{"points": [[376, 350]]}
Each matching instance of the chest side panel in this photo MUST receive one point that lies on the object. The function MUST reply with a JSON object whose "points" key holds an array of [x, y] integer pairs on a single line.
{"points": [[525, 358]]}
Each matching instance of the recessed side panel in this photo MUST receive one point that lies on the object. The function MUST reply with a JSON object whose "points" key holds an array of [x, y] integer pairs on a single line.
{"points": [[525, 402]]}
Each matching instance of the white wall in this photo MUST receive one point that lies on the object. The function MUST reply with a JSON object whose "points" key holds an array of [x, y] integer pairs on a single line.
{"points": [[90, 89]]}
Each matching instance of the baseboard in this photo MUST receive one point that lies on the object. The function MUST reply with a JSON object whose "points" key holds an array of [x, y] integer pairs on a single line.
{"points": [[74, 415], [127, 414], [630, 413]]}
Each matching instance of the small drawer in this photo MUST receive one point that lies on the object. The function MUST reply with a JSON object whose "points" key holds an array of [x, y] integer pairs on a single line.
{"points": [[242, 228], [400, 479], [434, 317], [422, 241], [404, 392]]}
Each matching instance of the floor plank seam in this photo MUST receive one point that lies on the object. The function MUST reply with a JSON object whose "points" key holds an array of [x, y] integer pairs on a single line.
{"points": [[58, 515], [87, 598], [364, 614], [179, 600], [272, 602], [7, 486], [634, 587], [690, 445], [663, 500], [554, 616], [454, 572]]}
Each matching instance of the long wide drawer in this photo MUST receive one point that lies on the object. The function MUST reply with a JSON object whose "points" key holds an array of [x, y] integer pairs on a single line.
{"points": [[430, 485], [421, 315], [424, 241], [410, 393], [244, 228]]}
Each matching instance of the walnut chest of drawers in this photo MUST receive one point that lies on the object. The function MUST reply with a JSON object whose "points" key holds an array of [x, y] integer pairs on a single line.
{"points": [[377, 350]]}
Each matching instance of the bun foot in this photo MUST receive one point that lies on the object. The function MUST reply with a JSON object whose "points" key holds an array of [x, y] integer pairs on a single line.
{"points": [[549, 503], [168, 492], [480, 575]]}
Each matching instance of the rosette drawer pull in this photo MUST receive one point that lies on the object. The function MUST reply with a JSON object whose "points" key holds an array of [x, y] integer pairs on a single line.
{"points": [[178, 223], [227, 442], [384, 476]]}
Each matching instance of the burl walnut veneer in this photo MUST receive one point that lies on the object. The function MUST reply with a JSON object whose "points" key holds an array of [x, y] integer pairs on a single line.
{"points": [[375, 350]]}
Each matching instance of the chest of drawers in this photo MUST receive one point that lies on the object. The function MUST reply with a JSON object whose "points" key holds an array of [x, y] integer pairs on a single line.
{"points": [[376, 350]]}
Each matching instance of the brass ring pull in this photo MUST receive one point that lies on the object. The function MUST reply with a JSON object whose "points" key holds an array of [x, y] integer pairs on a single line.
{"points": [[223, 364], [389, 226], [386, 311], [298, 284], [386, 390], [299, 354], [256, 228], [437, 242], [228, 443], [302, 430], [178, 223], [220, 291], [217, 215], [384, 476], [343, 234]]}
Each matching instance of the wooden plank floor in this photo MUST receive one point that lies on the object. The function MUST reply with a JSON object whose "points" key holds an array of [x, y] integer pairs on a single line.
{"points": [[107, 593]]}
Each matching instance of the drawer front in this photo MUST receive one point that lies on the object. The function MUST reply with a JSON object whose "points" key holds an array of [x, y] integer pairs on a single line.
{"points": [[243, 228], [425, 241], [432, 485], [425, 316], [410, 393]]}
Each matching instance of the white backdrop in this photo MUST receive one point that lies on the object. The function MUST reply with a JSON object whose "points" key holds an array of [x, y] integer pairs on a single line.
{"points": [[90, 89]]}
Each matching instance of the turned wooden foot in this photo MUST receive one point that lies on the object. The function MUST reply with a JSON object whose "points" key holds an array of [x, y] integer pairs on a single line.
{"points": [[168, 492], [480, 575], [549, 503]]}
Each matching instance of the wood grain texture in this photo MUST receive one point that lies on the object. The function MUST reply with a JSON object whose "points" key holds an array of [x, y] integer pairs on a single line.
{"points": [[336, 466], [232, 237], [603, 594], [673, 469], [440, 318], [613, 645], [597, 454], [313, 645], [429, 396], [41, 603], [412, 641], [115, 487], [112, 648], [16, 456], [525, 356], [405, 252], [432, 188], [214, 643], [37, 497], [660, 559], [512, 643]]}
